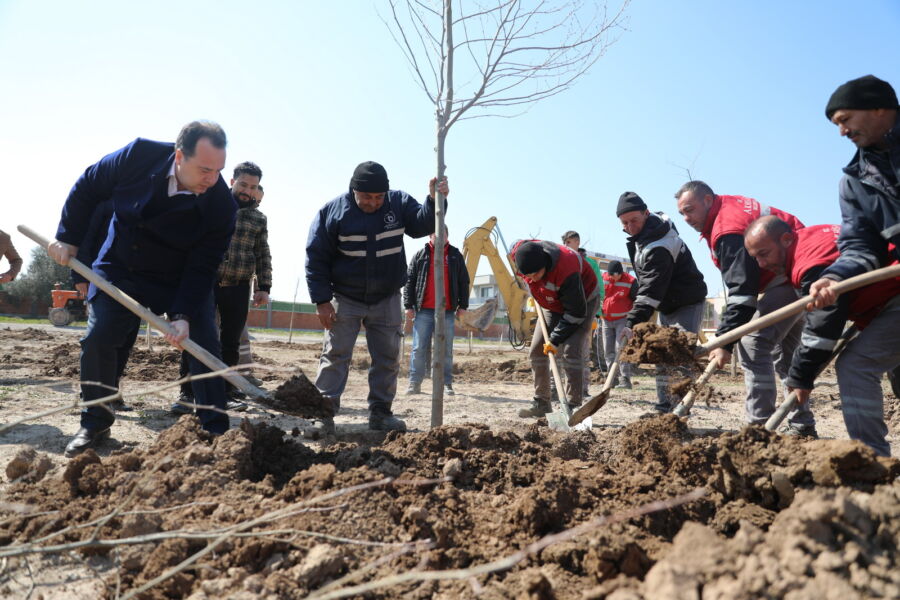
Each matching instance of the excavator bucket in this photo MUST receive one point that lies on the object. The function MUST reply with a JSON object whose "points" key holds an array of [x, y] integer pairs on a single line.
{"points": [[481, 317]]}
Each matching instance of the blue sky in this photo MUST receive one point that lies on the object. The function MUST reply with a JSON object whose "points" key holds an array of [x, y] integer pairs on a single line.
{"points": [[733, 90]]}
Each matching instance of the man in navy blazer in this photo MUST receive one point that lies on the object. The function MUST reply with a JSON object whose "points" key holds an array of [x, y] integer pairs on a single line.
{"points": [[172, 221]]}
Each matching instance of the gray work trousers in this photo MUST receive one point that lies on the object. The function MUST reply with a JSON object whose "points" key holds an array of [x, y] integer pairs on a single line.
{"points": [[860, 368], [570, 359], [245, 353], [768, 351], [613, 342], [383, 323], [689, 319]]}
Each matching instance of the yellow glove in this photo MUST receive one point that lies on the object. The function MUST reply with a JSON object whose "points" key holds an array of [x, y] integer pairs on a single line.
{"points": [[550, 348], [594, 325]]}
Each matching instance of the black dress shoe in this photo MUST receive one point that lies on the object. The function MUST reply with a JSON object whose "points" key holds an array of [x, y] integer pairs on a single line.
{"points": [[84, 439]]}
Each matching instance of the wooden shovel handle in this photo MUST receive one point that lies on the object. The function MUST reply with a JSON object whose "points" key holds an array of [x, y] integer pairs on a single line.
{"points": [[796, 308], [557, 380], [688, 401], [148, 315]]}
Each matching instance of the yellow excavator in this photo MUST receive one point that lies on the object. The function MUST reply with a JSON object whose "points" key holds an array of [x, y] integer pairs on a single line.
{"points": [[481, 241]]}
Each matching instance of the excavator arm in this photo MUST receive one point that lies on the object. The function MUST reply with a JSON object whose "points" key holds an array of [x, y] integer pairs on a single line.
{"points": [[479, 243]]}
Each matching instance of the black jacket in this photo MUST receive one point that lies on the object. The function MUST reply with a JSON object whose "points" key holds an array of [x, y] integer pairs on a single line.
{"points": [[667, 276], [417, 277], [870, 210]]}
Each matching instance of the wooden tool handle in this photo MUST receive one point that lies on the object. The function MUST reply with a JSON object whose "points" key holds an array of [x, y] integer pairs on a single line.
{"points": [[797, 307], [560, 390], [148, 315], [688, 401]]}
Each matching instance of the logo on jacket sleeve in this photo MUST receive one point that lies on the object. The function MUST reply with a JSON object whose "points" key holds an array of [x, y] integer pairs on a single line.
{"points": [[390, 220]]}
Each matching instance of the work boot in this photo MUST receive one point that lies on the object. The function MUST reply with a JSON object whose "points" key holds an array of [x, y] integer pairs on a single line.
{"points": [[385, 422], [323, 426], [119, 405], [448, 390], [84, 439], [414, 388], [235, 405], [662, 408], [797, 430], [538, 408], [180, 408], [625, 384]]}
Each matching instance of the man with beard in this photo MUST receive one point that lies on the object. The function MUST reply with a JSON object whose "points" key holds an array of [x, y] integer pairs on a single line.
{"points": [[803, 256], [248, 255], [355, 268], [866, 111], [752, 293]]}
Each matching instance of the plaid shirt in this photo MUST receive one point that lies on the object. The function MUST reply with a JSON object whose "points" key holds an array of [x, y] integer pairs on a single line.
{"points": [[248, 252]]}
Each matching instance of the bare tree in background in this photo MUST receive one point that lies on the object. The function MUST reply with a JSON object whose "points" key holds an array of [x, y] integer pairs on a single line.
{"points": [[510, 54]]}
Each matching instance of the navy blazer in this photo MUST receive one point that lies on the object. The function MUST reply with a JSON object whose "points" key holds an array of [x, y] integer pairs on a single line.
{"points": [[163, 251]]}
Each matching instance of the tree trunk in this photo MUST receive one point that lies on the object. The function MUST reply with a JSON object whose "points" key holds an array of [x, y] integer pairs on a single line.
{"points": [[437, 263]]}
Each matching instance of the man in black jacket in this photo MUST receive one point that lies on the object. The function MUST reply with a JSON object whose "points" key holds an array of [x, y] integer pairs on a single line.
{"points": [[419, 301], [668, 279]]}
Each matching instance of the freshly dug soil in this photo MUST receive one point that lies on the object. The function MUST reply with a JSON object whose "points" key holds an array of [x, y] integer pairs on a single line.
{"points": [[299, 397], [780, 515], [477, 371], [655, 344]]}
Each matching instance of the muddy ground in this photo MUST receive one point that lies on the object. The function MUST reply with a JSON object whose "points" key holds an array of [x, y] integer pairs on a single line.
{"points": [[282, 516]]}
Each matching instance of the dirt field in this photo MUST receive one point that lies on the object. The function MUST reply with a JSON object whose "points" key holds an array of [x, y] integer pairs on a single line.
{"points": [[466, 510]]}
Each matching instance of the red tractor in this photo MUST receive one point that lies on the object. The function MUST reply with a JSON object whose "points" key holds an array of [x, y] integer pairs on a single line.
{"points": [[68, 306]]}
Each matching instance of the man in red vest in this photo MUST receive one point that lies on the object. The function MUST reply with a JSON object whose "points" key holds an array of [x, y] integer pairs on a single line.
{"points": [[802, 256], [617, 303], [722, 221], [565, 288]]}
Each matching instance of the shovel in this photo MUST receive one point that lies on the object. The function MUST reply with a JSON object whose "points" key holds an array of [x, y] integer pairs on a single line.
{"points": [[152, 318], [790, 310], [791, 403], [687, 402], [597, 402], [562, 420]]}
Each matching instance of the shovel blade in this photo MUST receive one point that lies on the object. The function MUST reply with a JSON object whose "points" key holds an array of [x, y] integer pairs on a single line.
{"points": [[557, 421]]}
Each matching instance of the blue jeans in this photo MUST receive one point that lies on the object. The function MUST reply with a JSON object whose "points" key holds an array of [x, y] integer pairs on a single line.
{"points": [[423, 330], [111, 332]]}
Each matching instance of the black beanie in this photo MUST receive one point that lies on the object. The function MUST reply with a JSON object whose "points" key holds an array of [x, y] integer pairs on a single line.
{"points": [[531, 258], [628, 202], [369, 177], [614, 267], [865, 93]]}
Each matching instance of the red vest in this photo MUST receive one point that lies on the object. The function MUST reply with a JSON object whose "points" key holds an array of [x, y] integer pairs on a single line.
{"points": [[617, 302], [546, 291], [817, 246], [731, 215]]}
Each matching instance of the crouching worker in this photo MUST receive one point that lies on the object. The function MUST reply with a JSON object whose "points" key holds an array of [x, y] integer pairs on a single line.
{"points": [[565, 288], [803, 256]]}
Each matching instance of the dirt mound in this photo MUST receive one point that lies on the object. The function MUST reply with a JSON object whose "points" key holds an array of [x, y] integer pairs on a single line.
{"points": [[468, 495], [29, 333], [292, 346], [654, 344], [478, 371], [298, 396]]}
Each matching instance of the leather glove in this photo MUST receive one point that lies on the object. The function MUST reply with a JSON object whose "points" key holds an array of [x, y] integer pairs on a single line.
{"points": [[550, 348]]}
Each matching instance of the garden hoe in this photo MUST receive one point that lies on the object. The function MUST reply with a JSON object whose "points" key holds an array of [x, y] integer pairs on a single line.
{"points": [[561, 420]]}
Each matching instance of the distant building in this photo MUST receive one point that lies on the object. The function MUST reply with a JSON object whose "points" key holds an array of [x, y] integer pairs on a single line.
{"points": [[484, 287]]}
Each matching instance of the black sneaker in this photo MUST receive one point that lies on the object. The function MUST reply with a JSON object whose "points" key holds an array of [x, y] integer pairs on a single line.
{"points": [[235, 405], [380, 422], [184, 405], [414, 388], [448, 390]]}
